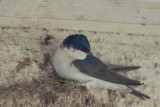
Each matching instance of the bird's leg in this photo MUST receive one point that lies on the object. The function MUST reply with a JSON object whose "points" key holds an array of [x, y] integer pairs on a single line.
{"points": [[88, 84]]}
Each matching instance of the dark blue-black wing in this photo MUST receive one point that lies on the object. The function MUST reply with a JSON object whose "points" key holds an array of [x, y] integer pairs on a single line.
{"points": [[94, 67], [120, 68]]}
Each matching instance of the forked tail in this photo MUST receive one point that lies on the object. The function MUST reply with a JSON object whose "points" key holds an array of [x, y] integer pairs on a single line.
{"points": [[139, 94]]}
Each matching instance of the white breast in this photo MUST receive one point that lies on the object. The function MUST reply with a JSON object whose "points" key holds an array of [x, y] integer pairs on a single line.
{"points": [[62, 63]]}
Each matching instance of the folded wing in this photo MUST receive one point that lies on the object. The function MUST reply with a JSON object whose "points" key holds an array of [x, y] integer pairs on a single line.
{"points": [[94, 67]]}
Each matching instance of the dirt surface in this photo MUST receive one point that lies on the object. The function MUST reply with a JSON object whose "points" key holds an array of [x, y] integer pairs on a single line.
{"points": [[46, 94]]}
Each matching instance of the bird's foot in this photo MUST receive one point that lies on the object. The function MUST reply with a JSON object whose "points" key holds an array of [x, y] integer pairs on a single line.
{"points": [[88, 84]]}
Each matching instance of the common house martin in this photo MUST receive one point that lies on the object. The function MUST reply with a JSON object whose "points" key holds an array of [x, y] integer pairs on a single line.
{"points": [[73, 60]]}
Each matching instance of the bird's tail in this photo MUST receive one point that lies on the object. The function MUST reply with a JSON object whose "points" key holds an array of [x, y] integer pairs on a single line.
{"points": [[139, 94]]}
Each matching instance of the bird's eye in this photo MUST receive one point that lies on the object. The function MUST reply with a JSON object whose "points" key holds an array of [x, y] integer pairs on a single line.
{"points": [[81, 47]]}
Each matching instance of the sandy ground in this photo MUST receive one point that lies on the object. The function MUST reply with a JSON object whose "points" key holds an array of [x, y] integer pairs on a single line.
{"points": [[24, 59]]}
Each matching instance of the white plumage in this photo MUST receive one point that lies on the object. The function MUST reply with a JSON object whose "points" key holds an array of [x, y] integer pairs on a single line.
{"points": [[62, 63]]}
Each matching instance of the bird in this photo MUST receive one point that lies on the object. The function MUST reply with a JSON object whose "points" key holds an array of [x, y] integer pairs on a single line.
{"points": [[73, 60]]}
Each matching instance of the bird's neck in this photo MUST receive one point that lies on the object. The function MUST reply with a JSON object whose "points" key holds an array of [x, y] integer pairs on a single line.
{"points": [[74, 53]]}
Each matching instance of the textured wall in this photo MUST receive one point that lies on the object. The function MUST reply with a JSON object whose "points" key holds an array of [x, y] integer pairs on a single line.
{"points": [[126, 11]]}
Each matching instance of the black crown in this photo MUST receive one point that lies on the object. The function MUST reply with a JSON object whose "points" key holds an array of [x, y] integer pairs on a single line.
{"points": [[77, 41]]}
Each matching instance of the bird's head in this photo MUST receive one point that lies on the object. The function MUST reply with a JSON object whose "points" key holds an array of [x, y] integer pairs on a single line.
{"points": [[78, 42]]}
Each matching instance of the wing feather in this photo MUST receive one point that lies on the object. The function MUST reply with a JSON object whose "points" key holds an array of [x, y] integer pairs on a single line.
{"points": [[94, 67]]}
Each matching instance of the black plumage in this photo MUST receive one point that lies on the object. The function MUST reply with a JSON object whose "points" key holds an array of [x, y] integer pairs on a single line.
{"points": [[92, 66]]}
